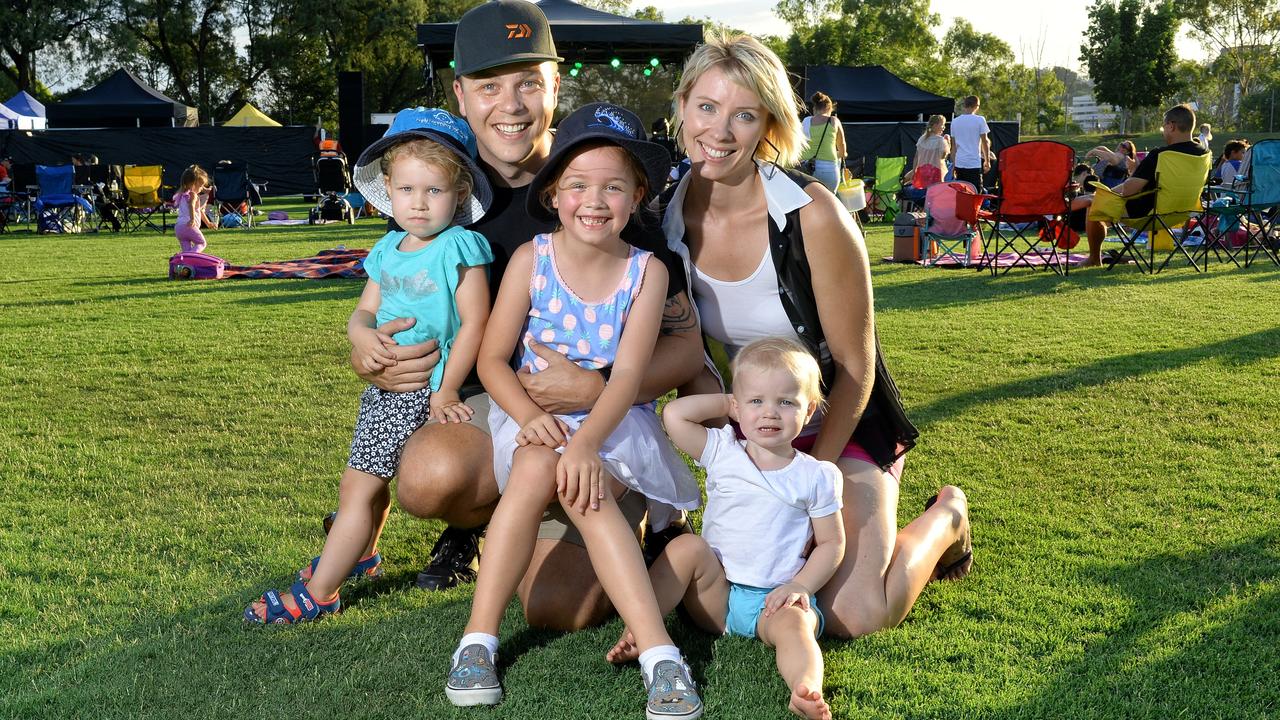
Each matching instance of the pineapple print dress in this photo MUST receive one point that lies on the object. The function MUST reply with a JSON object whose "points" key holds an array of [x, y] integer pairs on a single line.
{"points": [[638, 452]]}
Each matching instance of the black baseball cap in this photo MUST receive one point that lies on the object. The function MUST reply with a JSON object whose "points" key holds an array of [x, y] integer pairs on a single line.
{"points": [[502, 32], [600, 121]]}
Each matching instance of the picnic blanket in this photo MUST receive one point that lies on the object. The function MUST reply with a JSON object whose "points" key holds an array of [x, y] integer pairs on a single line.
{"points": [[1036, 258], [338, 262]]}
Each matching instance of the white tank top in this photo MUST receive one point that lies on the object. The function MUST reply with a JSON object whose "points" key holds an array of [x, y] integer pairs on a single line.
{"points": [[736, 313]]}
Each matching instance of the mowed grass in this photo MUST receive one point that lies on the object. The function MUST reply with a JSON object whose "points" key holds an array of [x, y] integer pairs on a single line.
{"points": [[167, 450]]}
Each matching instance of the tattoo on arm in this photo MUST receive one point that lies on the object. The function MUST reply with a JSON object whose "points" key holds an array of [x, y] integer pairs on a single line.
{"points": [[677, 316]]}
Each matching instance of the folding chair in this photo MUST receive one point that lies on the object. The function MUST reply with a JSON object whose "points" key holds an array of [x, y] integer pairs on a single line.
{"points": [[234, 191], [1259, 203], [142, 202], [953, 236], [1034, 179], [23, 188], [57, 208], [886, 185], [1179, 185]]}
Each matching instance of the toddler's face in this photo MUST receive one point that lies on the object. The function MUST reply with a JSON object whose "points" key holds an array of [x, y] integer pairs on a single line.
{"points": [[769, 406], [423, 198]]}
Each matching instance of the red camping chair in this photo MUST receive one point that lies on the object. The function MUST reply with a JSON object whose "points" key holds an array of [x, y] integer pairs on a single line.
{"points": [[953, 236], [1034, 178]]}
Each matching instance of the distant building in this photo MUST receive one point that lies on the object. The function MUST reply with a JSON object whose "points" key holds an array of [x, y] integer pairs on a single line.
{"points": [[1089, 115]]}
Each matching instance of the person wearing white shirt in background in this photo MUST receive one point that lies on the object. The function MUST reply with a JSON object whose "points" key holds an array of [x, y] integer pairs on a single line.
{"points": [[971, 143]]}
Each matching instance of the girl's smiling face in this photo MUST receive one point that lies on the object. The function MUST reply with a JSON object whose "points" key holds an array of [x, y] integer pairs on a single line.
{"points": [[596, 193]]}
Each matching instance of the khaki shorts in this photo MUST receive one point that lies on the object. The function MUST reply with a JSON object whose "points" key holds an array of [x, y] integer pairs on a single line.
{"points": [[555, 523]]}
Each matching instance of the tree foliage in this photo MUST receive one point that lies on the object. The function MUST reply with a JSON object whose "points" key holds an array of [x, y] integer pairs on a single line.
{"points": [[893, 33], [1129, 54], [28, 28], [1243, 35]]}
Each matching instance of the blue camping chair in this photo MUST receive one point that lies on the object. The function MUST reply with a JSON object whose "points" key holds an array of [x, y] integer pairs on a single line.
{"points": [[57, 208]]}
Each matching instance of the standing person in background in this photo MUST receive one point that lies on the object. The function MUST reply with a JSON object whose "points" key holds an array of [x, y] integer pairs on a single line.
{"points": [[932, 148], [1206, 135], [827, 151], [971, 144]]}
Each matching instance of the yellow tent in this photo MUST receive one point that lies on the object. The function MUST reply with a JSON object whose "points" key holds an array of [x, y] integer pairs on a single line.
{"points": [[250, 116]]}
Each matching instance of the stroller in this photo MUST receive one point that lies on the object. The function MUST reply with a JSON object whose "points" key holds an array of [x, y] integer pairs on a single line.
{"points": [[333, 182]]}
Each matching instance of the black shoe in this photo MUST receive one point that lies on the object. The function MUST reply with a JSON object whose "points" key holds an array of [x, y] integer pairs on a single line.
{"points": [[328, 521], [656, 542], [453, 559]]}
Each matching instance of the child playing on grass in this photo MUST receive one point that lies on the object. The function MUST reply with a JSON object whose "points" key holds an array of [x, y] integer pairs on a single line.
{"points": [[585, 292], [766, 501], [423, 173], [191, 201]]}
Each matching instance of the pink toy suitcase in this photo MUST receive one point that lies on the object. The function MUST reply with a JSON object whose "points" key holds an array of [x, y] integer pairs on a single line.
{"points": [[196, 266]]}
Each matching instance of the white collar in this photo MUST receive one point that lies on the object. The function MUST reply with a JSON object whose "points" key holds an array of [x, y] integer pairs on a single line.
{"points": [[782, 195]]}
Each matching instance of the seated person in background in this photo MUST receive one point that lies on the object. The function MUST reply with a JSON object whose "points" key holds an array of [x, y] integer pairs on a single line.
{"points": [[1228, 165], [4, 170], [1113, 166], [1179, 120]]}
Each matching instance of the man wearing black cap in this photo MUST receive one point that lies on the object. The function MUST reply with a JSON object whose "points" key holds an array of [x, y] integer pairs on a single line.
{"points": [[507, 86]]}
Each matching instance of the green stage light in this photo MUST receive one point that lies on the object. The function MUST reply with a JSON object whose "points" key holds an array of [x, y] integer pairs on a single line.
{"points": [[648, 72], [573, 72], [452, 64], [654, 62], [616, 63], [577, 66]]}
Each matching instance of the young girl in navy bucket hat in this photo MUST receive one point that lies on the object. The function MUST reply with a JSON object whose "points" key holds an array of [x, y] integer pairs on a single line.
{"points": [[583, 291], [423, 173]]}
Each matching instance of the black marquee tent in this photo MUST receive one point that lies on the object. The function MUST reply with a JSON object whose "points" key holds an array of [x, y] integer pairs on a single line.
{"points": [[121, 100], [869, 93], [584, 35]]}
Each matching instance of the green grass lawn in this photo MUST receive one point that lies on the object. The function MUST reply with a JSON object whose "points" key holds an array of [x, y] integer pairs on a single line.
{"points": [[167, 450]]}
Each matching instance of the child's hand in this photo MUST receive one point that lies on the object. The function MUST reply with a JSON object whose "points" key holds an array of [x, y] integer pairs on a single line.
{"points": [[792, 593], [447, 407], [371, 348], [545, 429], [580, 477]]}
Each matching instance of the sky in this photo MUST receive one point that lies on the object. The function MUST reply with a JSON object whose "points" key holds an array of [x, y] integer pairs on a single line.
{"points": [[1025, 25]]}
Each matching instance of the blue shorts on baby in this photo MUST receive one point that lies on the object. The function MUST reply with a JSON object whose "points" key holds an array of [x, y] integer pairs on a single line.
{"points": [[385, 422], [745, 605]]}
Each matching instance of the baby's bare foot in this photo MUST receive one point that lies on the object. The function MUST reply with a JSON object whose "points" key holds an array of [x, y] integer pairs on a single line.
{"points": [[624, 651], [809, 704]]}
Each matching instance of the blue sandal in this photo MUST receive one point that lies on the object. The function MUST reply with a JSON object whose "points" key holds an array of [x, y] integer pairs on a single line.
{"points": [[369, 568], [280, 614]]}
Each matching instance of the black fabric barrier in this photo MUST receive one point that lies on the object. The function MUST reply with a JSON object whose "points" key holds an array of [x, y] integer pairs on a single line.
{"points": [[279, 156], [865, 142]]}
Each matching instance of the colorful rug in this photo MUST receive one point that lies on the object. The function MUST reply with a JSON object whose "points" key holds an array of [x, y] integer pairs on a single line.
{"points": [[1004, 260], [338, 262]]}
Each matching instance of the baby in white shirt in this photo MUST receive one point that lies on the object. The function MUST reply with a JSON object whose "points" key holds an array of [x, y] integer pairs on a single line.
{"points": [[747, 574]]}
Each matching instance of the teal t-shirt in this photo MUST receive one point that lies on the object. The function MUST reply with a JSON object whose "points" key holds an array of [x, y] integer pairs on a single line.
{"points": [[421, 285]]}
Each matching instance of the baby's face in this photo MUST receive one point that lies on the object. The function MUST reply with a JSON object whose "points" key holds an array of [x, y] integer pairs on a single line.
{"points": [[423, 198], [770, 407]]}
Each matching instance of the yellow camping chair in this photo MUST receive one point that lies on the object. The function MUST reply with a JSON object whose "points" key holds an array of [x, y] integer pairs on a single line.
{"points": [[1178, 186], [142, 184]]}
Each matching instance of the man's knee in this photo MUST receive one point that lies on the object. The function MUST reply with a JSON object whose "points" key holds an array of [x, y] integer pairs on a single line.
{"points": [[438, 473], [560, 591]]}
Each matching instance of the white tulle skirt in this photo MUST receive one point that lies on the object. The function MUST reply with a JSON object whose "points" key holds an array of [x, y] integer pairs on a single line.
{"points": [[638, 454]]}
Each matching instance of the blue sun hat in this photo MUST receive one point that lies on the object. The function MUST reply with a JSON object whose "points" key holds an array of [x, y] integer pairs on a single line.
{"points": [[439, 126], [601, 121]]}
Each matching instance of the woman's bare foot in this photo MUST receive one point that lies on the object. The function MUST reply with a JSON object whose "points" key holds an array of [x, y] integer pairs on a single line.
{"points": [[957, 560], [809, 704], [624, 651]]}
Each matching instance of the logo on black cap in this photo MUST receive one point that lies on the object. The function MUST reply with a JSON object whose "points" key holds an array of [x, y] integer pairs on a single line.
{"points": [[515, 32]]}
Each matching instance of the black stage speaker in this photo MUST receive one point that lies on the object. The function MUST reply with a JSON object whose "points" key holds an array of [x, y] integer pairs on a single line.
{"points": [[351, 114]]}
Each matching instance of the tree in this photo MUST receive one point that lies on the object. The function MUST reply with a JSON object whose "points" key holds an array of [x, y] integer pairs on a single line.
{"points": [[894, 33], [1129, 53], [32, 27], [1243, 33]]}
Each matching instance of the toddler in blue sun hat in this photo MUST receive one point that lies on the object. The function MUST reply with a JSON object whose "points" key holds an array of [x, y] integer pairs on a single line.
{"points": [[423, 173]]}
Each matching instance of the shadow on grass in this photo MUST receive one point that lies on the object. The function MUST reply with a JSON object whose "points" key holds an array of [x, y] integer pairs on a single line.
{"points": [[1201, 639], [1241, 350], [271, 291]]}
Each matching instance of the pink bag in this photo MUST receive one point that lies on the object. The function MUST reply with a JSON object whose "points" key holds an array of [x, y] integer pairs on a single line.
{"points": [[196, 266]]}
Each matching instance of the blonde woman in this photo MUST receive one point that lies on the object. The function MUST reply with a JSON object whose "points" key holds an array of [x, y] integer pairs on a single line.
{"points": [[770, 252]]}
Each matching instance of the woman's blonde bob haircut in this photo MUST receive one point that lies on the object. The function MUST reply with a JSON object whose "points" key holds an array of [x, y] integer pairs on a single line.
{"points": [[755, 67]]}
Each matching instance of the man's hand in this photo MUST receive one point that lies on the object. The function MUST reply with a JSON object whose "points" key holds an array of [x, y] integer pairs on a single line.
{"points": [[562, 387], [413, 363]]}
